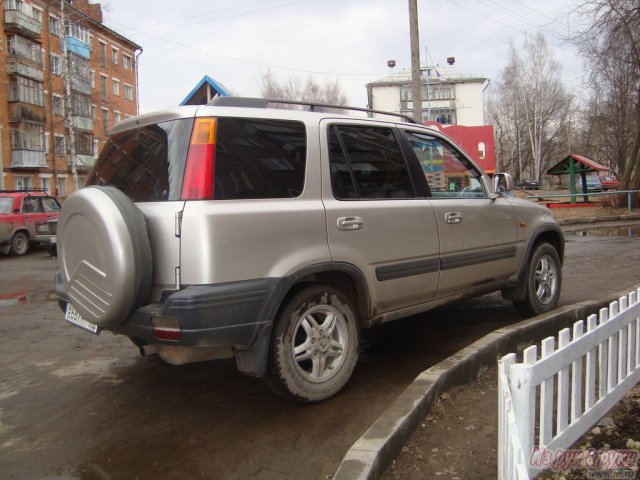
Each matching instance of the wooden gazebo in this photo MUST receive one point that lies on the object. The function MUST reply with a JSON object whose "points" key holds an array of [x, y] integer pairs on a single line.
{"points": [[573, 165]]}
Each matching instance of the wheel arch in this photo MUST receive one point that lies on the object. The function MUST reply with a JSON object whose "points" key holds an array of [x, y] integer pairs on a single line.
{"points": [[551, 234]]}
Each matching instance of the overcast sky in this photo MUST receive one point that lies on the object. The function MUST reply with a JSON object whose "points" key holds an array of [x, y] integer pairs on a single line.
{"points": [[236, 41]]}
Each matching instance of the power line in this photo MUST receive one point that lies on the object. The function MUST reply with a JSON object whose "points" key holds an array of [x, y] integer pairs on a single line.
{"points": [[313, 70]]}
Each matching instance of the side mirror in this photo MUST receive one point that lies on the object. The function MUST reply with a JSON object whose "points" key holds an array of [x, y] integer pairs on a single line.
{"points": [[503, 183]]}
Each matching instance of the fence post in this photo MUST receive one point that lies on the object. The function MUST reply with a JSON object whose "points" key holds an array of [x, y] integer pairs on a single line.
{"points": [[524, 400], [505, 453]]}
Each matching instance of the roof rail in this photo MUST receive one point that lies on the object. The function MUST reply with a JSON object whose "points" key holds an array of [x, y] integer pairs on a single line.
{"points": [[23, 190], [247, 102]]}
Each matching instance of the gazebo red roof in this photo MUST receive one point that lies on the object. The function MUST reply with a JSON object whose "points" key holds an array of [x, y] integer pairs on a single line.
{"points": [[588, 165]]}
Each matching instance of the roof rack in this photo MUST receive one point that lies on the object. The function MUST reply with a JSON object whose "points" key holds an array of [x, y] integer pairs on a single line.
{"points": [[23, 190], [247, 102]]}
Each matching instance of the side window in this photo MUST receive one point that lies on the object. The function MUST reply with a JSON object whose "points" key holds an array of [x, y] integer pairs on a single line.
{"points": [[50, 205], [31, 205], [448, 173], [259, 158], [366, 163]]}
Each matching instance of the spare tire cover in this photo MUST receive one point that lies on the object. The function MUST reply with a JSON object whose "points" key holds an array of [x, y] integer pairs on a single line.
{"points": [[104, 254]]}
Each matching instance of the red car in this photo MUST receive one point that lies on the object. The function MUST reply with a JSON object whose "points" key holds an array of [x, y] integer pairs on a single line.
{"points": [[20, 213], [610, 183]]}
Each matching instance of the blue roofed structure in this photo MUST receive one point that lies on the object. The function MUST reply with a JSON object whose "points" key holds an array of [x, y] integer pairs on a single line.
{"points": [[204, 91]]}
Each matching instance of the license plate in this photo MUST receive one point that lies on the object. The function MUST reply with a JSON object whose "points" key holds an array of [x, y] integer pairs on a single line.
{"points": [[53, 240], [73, 316]]}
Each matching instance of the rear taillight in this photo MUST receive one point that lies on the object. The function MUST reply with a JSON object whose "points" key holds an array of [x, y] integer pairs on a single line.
{"points": [[198, 174]]}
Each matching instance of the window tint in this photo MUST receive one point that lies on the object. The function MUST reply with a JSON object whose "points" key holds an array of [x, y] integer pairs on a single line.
{"points": [[366, 162], [448, 173], [146, 163], [259, 158]]}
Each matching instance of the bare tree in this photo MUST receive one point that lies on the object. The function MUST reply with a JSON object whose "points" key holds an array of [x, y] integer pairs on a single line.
{"points": [[531, 109], [610, 42], [309, 90]]}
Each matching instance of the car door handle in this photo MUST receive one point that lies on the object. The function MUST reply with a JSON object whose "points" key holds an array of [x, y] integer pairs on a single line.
{"points": [[349, 223], [453, 217]]}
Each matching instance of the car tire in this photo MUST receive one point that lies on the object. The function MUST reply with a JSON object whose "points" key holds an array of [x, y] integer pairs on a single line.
{"points": [[19, 244], [104, 254], [543, 277], [314, 347]]}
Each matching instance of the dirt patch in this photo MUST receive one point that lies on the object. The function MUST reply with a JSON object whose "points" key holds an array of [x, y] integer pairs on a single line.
{"points": [[458, 439]]}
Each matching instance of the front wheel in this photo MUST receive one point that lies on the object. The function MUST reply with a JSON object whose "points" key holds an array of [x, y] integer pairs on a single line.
{"points": [[314, 347], [543, 281]]}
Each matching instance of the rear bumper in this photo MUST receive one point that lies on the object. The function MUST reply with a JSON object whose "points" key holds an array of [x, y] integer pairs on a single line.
{"points": [[236, 314]]}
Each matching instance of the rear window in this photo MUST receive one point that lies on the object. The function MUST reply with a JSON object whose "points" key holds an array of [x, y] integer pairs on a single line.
{"points": [[146, 163], [253, 159], [259, 158]]}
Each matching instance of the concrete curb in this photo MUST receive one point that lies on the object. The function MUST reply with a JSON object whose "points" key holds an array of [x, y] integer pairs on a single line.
{"points": [[608, 218], [373, 452]]}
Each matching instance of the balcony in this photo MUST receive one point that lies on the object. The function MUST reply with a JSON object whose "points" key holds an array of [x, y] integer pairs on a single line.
{"points": [[78, 47], [81, 85], [28, 159], [16, 21], [21, 111], [85, 161], [18, 66], [82, 123]]}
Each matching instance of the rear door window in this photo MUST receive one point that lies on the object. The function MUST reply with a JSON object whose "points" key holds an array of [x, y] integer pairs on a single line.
{"points": [[259, 158], [146, 163], [367, 163]]}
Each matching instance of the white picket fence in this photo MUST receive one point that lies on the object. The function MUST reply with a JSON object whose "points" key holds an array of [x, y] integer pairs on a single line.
{"points": [[549, 402]]}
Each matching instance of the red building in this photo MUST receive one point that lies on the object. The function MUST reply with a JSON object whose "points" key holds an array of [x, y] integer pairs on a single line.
{"points": [[478, 142]]}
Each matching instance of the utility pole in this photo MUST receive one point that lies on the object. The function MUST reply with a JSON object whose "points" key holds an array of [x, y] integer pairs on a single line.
{"points": [[416, 85], [68, 123]]}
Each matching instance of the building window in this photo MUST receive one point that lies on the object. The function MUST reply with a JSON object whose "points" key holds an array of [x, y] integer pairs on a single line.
{"points": [[58, 105], [127, 62], [116, 117], [54, 26], [93, 112], [96, 147], [59, 144], [28, 137], [84, 143], [103, 54], [92, 78], [81, 105], [61, 185], [20, 46], [116, 87], [105, 121], [103, 87], [14, 5], [114, 56], [56, 64], [128, 92], [36, 13], [79, 32], [23, 89], [23, 182], [45, 183]]}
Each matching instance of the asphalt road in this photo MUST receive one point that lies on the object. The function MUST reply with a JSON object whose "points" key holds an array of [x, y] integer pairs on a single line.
{"points": [[78, 406]]}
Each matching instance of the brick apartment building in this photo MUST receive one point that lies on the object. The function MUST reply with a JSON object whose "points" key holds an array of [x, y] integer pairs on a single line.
{"points": [[34, 146]]}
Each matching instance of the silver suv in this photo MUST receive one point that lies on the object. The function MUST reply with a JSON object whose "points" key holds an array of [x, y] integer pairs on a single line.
{"points": [[276, 235]]}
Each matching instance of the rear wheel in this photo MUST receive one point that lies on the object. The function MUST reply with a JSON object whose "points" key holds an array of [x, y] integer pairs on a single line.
{"points": [[19, 244], [543, 279], [314, 347]]}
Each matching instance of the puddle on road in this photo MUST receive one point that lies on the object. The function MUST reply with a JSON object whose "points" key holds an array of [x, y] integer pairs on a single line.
{"points": [[26, 297], [628, 231]]}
